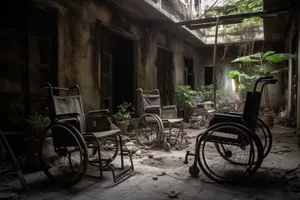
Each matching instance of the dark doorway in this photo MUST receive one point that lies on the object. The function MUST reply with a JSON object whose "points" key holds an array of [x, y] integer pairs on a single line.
{"points": [[165, 75], [294, 79], [123, 71], [208, 75], [189, 72], [28, 57], [117, 70]]}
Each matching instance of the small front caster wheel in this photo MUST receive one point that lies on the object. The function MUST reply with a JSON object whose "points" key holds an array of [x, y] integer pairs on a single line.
{"points": [[194, 170], [167, 146]]}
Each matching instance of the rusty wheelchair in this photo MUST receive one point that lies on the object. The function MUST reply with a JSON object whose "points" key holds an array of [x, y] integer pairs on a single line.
{"points": [[235, 144], [158, 125], [74, 140]]}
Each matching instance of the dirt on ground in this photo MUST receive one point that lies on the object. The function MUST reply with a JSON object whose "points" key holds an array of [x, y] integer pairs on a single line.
{"points": [[281, 166]]}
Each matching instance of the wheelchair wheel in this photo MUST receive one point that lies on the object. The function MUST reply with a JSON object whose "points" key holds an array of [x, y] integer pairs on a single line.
{"points": [[265, 135], [109, 148], [238, 144], [63, 154], [149, 130]]}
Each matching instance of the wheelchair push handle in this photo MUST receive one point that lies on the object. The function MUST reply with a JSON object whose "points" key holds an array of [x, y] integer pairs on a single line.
{"points": [[48, 85], [267, 82], [264, 80]]}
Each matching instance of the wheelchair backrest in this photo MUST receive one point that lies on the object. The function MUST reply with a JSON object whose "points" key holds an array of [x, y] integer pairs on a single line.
{"points": [[252, 110], [67, 105], [147, 98]]}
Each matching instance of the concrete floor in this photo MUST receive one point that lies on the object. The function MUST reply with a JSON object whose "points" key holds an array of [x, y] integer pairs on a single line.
{"points": [[278, 178]]}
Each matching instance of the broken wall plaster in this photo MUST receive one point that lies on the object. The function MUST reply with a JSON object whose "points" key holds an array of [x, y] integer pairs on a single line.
{"points": [[76, 36]]}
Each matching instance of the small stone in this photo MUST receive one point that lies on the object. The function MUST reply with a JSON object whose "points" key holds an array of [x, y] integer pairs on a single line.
{"points": [[158, 158], [188, 137], [173, 195], [129, 144], [148, 148], [138, 152], [155, 178], [143, 150], [161, 174], [150, 155]]}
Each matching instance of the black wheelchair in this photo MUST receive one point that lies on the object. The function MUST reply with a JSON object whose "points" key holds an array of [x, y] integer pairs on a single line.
{"points": [[74, 140], [235, 144]]}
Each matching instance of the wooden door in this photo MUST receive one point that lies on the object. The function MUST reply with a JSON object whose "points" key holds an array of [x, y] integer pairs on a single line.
{"points": [[106, 69], [165, 75]]}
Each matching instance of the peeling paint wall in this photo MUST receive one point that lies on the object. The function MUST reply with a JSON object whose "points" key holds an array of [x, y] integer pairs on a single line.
{"points": [[76, 42]]}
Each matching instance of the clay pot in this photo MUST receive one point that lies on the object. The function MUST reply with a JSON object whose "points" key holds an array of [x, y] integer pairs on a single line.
{"points": [[123, 127]]}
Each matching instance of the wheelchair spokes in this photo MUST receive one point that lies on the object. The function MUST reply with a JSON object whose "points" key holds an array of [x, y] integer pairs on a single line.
{"points": [[148, 130], [226, 161], [65, 164]]}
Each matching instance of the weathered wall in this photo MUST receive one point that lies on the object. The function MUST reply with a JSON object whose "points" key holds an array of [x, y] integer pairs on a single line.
{"points": [[224, 65], [76, 21]]}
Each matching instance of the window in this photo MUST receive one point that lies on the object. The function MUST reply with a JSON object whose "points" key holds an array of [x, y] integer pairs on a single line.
{"points": [[189, 72], [208, 75]]}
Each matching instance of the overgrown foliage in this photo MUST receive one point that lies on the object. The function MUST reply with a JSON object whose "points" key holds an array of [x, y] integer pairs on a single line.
{"points": [[233, 7], [37, 123], [261, 66], [125, 110], [207, 93], [185, 96]]}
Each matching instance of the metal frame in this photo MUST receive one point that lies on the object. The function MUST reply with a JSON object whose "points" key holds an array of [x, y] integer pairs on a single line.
{"points": [[90, 136]]}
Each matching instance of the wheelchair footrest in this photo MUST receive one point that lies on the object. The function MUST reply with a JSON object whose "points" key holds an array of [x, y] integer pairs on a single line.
{"points": [[182, 146], [123, 174]]}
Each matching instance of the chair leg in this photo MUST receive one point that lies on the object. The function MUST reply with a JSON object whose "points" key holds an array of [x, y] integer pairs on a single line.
{"points": [[121, 150], [14, 161], [99, 157]]}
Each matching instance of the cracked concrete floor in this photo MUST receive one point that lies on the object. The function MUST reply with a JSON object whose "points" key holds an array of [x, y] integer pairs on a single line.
{"points": [[162, 175]]}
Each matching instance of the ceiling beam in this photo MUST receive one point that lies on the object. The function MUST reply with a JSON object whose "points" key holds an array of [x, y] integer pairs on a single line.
{"points": [[223, 19], [208, 25]]}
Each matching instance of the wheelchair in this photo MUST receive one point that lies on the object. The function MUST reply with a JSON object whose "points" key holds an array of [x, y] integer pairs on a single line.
{"points": [[158, 124], [230, 133], [75, 140]]}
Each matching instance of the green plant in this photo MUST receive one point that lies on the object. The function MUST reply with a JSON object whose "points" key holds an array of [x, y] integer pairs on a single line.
{"points": [[37, 123], [261, 66], [207, 92], [185, 96], [125, 110]]}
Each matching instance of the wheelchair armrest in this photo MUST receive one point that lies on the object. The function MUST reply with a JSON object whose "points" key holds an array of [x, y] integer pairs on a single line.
{"points": [[68, 115], [101, 111], [235, 116], [235, 113], [169, 107], [155, 107]]}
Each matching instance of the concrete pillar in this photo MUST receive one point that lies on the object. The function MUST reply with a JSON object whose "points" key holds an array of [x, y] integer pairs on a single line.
{"points": [[298, 81], [290, 79]]}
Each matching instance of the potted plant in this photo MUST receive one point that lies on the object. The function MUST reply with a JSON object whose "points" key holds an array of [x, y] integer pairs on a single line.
{"points": [[186, 99], [37, 123], [123, 116], [261, 66]]}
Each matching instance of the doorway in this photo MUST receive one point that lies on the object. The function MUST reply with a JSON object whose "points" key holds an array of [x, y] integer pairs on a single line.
{"points": [[117, 70], [123, 71], [189, 77], [165, 75], [28, 57]]}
